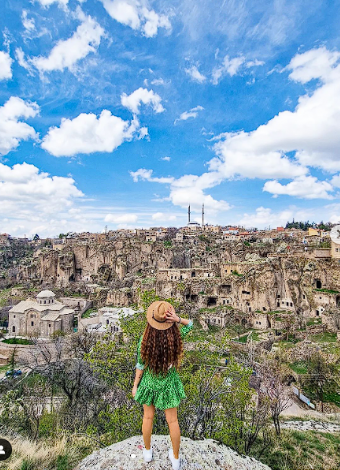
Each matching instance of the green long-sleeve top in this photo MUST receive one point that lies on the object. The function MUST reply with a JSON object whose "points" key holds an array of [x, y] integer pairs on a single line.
{"points": [[162, 391]]}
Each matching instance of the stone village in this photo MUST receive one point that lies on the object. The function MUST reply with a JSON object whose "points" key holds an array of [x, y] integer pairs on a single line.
{"points": [[259, 279]]}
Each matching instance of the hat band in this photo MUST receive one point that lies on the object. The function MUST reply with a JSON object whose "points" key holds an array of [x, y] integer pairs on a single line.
{"points": [[159, 321]]}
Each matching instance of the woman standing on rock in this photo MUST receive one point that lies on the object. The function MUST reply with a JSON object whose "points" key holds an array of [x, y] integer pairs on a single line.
{"points": [[160, 352]]}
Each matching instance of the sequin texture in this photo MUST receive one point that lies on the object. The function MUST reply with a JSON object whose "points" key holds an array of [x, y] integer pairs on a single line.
{"points": [[163, 392]]}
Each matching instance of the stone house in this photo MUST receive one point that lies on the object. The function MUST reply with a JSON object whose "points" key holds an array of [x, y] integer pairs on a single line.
{"points": [[218, 318], [42, 316]]}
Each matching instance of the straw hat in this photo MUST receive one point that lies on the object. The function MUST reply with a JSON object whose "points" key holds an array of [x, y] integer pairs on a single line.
{"points": [[156, 315]]}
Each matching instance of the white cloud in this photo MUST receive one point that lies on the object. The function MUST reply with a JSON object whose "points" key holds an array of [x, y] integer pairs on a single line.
{"points": [[312, 130], [146, 175], [142, 95], [65, 54], [195, 74], [5, 66], [28, 24], [32, 199], [20, 56], [12, 130], [167, 159], [307, 187], [132, 13], [162, 216], [47, 3], [254, 63], [121, 219], [158, 81], [188, 189], [228, 67], [193, 113], [316, 63], [264, 217], [88, 133]]}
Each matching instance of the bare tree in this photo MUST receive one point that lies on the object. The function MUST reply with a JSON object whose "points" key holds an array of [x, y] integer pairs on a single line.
{"points": [[275, 390]]}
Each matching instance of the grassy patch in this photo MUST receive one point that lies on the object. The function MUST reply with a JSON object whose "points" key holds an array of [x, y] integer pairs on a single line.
{"points": [[313, 321], [17, 341], [327, 291], [299, 450], [300, 367], [87, 313], [325, 337]]}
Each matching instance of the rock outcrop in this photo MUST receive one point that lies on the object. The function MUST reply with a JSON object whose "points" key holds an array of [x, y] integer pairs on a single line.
{"points": [[195, 455]]}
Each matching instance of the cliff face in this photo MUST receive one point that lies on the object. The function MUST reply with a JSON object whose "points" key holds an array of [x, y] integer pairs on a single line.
{"points": [[195, 455], [252, 279]]}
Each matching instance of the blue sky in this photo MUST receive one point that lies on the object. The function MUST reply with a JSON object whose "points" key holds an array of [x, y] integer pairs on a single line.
{"points": [[121, 113]]}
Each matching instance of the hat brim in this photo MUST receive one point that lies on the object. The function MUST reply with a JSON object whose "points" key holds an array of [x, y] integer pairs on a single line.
{"points": [[154, 323]]}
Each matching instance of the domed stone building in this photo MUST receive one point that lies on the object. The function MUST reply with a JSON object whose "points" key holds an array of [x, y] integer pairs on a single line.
{"points": [[42, 316]]}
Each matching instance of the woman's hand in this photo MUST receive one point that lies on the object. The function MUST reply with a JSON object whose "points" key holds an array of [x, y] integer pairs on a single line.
{"points": [[171, 315], [134, 390]]}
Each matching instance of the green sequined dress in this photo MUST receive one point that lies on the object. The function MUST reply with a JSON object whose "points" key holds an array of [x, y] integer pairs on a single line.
{"points": [[162, 391]]}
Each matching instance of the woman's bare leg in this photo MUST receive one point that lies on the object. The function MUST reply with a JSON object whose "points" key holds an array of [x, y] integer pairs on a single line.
{"points": [[149, 413], [175, 432]]}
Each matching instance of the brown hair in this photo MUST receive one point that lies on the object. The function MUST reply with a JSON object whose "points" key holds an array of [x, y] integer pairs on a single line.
{"points": [[160, 348]]}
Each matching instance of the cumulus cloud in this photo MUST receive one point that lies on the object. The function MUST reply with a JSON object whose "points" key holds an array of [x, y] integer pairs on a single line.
{"points": [[12, 129], [193, 113], [142, 95], [88, 133], [189, 189], [121, 218], [136, 15], [265, 217], [311, 132], [194, 73], [307, 187], [166, 159], [5, 66], [65, 54], [31, 198]]}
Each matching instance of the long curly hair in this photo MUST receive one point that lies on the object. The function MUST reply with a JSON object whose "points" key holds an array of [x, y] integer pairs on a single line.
{"points": [[161, 348]]}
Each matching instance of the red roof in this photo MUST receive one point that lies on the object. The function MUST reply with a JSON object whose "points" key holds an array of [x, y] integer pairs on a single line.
{"points": [[280, 229]]}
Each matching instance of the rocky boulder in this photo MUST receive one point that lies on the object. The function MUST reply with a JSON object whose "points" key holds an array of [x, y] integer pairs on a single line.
{"points": [[195, 455]]}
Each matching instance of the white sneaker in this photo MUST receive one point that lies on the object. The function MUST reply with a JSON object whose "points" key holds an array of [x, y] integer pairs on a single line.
{"points": [[175, 462], [147, 454]]}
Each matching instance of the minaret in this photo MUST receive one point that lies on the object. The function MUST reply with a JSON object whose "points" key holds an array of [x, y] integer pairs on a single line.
{"points": [[203, 216], [188, 214]]}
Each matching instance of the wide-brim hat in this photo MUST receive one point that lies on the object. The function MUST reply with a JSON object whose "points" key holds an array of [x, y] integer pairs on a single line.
{"points": [[156, 315]]}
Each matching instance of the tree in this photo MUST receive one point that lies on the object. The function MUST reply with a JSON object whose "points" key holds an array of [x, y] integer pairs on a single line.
{"points": [[319, 377], [36, 237], [273, 387]]}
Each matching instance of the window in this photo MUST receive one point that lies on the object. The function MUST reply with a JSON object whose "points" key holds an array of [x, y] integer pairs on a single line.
{"points": [[44, 301], [32, 323], [49, 325], [291, 304], [107, 322], [13, 329], [259, 323], [171, 277], [13, 316], [303, 296]]}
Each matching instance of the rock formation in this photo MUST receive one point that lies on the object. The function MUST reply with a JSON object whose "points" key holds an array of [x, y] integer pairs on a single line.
{"points": [[195, 455]]}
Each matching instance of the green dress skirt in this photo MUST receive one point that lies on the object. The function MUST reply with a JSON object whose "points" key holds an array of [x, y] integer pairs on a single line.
{"points": [[162, 391]]}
